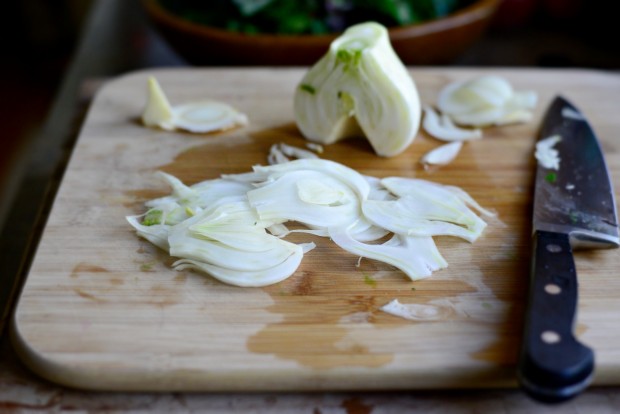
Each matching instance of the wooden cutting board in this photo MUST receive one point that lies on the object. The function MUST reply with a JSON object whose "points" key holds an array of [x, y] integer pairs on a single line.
{"points": [[103, 309]]}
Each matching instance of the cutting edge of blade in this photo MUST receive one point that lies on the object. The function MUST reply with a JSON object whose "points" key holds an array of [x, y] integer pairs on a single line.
{"points": [[584, 238]]}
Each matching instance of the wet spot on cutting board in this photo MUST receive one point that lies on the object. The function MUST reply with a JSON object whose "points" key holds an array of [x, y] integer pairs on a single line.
{"points": [[135, 198], [504, 351], [311, 331], [284, 132], [321, 349], [304, 284], [328, 306], [236, 153]]}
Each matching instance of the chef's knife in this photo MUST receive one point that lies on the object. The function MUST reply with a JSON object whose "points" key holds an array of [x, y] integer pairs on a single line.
{"points": [[574, 208]]}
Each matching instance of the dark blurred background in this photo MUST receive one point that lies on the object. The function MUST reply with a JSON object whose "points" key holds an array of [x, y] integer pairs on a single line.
{"points": [[39, 37], [37, 40]]}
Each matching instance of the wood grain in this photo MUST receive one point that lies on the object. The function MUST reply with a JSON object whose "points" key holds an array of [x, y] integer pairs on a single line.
{"points": [[103, 309]]}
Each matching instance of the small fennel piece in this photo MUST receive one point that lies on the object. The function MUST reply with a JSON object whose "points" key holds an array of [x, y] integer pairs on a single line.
{"points": [[360, 87], [546, 155], [198, 117], [281, 153], [442, 155], [411, 311], [158, 111]]}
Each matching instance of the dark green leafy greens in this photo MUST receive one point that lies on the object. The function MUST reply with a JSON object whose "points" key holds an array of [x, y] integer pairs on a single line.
{"points": [[308, 16]]}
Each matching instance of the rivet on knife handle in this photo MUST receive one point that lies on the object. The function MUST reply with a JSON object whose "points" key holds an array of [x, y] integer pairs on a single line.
{"points": [[554, 366]]}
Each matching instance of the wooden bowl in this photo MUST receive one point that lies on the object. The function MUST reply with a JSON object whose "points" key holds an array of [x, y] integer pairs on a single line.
{"points": [[434, 42]]}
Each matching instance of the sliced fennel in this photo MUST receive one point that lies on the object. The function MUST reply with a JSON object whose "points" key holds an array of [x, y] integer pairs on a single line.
{"points": [[281, 153], [228, 244], [249, 278], [411, 311], [360, 87], [198, 117], [442, 155], [265, 174], [486, 100], [479, 102], [447, 194], [417, 257], [156, 234], [318, 148], [232, 227], [158, 111], [309, 197], [546, 155], [442, 127]]}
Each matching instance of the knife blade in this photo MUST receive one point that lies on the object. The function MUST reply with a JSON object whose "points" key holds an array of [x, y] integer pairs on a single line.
{"points": [[574, 208]]}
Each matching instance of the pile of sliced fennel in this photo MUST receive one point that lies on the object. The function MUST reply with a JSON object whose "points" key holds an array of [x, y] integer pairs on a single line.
{"points": [[465, 107], [233, 227]]}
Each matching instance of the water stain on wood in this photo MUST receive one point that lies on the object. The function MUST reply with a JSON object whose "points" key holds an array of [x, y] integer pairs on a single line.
{"points": [[320, 311], [162, 296], [87, 289], [82, 293], [116, 281], [87, 268], [180, 277]]}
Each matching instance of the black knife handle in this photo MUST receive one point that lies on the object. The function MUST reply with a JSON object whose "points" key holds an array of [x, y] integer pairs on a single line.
{"points": [[553, 366]]}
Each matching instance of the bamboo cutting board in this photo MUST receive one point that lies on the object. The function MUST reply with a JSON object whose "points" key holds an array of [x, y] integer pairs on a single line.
{"points": [[103, 309]]}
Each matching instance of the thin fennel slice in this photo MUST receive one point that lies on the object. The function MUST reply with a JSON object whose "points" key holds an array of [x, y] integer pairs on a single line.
{"points": [[417, 257], [340, 172], [295, 152], [402, 186], [228, 243], [409, 216], [156, 234], [442, 127], [294, 196], [198, 117], [247, 278], [207, 116], [485, 101], [443, 154]]}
